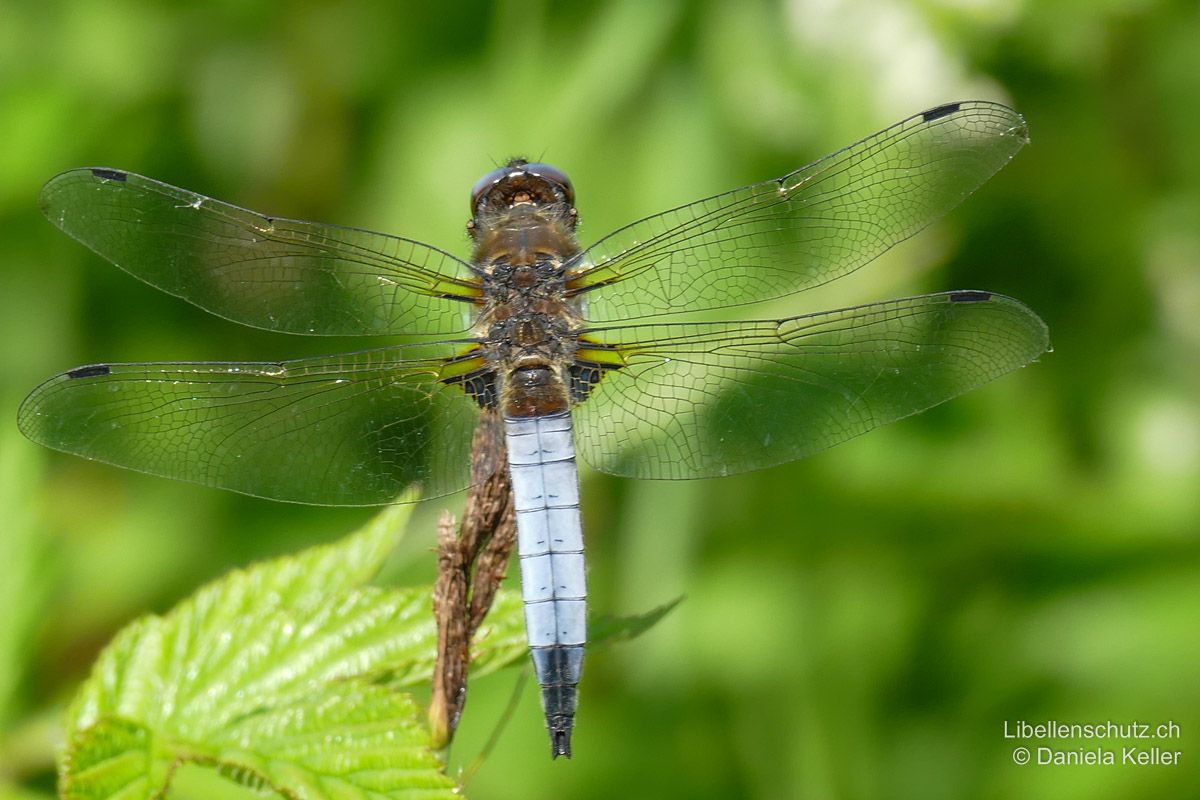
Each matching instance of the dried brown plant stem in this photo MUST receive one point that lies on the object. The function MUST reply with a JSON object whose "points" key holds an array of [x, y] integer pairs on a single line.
{"points": [[471, 566]]}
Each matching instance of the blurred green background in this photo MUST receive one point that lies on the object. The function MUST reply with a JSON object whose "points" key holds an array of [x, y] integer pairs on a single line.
{"points": [[858, 625]]}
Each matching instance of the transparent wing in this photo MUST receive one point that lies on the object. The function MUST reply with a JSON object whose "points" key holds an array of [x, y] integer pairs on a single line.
{"points": [[705, 399], [279, 274], [804, 229], [347, 430]]}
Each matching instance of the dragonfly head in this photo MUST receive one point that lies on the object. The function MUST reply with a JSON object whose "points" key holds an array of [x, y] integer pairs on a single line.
{"points": [[520, 183]]}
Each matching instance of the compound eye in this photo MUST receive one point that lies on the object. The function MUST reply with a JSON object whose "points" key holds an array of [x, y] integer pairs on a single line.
{"points": [[554, 175], [487, 182]]}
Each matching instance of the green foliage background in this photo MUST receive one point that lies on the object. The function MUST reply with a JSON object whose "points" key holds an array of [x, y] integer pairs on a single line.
{"points": [[861, 624]]}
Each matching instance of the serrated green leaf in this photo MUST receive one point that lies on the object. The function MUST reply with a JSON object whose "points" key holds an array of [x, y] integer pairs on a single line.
{"points": [[125, 675], [112, 759], [346, 736], [284, 677], [270, 676]]}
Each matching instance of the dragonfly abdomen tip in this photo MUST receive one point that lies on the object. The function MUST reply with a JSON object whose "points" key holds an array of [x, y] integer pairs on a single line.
{"points": [[560, 739]]}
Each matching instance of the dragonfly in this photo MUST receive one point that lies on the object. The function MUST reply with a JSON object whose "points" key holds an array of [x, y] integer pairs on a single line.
{"points": [[573, 351]]}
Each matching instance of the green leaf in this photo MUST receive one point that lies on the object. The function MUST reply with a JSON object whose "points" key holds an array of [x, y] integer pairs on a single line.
{"points": [[286, 677], [621, 629], [270, 677], [112, 759]]}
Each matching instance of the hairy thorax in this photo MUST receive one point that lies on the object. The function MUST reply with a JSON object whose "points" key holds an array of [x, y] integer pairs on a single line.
{"points": [[527, 323]]}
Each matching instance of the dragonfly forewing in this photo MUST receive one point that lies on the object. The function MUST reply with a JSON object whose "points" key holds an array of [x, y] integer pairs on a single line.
{"points": [[279, 274], [804, 229]]}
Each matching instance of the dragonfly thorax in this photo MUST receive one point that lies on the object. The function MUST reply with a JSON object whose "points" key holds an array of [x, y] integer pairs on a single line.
{"points": [[529, 339], [523, 283]]}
